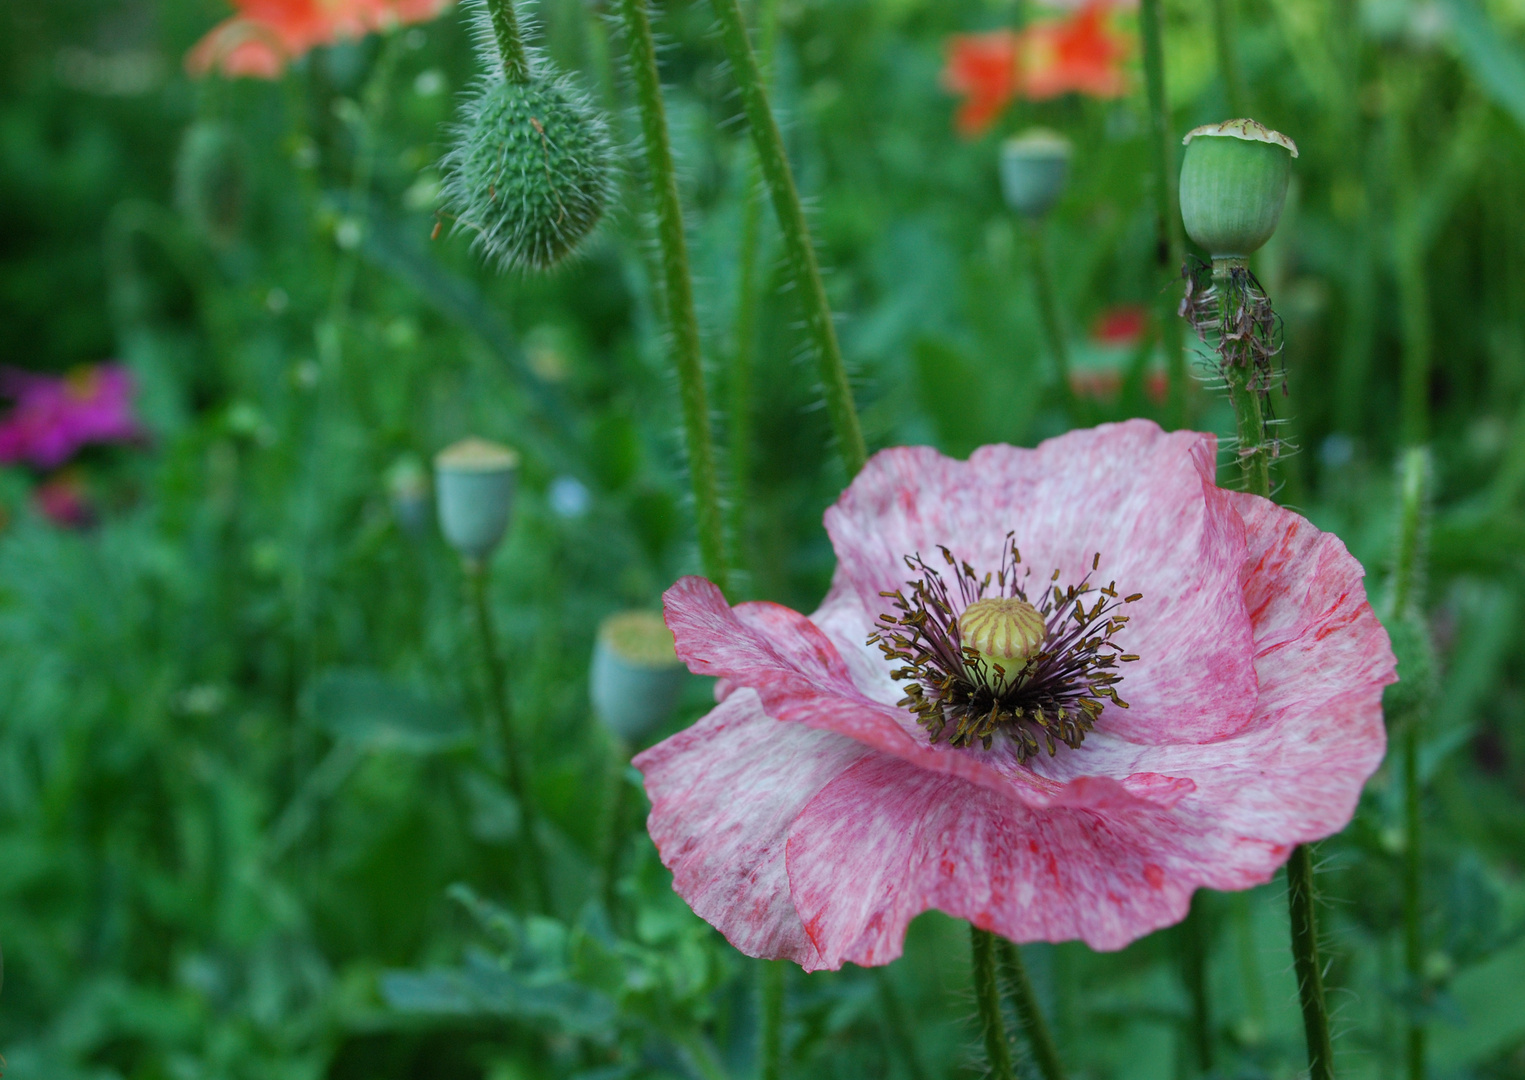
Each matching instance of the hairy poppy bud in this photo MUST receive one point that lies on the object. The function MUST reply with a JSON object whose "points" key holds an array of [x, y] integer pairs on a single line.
{"points": [[1034, 168], [474, 483], [636, 673], [531, 167], [1233, 185]]}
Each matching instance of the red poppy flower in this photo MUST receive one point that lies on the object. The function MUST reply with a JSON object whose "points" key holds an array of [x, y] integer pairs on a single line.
{"points": [[983, 68], [266, 35], [1079, 54], [841, 788]]}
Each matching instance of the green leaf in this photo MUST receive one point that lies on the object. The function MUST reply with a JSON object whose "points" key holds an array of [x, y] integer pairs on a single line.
{"points": [[482, 988], [379, 713]]}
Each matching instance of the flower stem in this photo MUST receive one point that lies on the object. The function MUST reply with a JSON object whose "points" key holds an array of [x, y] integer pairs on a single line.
{"points": [[1194, 950], [1048, 312], [1167, 208], [512, 758], [1255, 460], [898, 1029], [1414, 473], [988, 996], [796, 235], [770, 1039], [1302, 903], [1045, 1053], [1228, 63], [505, 31], [1245, 396], [679, 289], [744, 333]]}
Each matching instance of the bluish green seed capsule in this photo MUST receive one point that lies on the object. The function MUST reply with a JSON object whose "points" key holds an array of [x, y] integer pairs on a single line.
{"points": [[1034, 168], [474, 483], [1233, 185], [636, 674]]}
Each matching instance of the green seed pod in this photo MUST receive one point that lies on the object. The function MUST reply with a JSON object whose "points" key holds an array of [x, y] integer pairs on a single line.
{"points": [[474, 483], [1233, 185], [210, 180], [531, 168], [1034, 168], [636, 673]]}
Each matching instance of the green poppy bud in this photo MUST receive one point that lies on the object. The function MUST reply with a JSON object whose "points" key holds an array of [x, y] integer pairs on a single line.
{"points": [[210, 181], [1233, 185], [1034, 168], [636, 673], [531, 168], [474, 483]]}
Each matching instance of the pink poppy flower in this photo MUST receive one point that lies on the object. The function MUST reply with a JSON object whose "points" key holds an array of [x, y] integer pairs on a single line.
{"points": [[834, 794], [55, 417]]}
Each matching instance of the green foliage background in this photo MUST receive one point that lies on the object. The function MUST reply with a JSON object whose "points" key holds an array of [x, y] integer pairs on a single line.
{"points": [[237, 782]]}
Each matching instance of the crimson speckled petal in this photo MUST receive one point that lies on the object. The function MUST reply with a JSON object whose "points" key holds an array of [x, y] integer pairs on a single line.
{"points": [[810, 817]]}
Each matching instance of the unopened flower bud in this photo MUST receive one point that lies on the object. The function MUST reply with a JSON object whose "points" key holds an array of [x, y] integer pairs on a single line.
{"points": [[636, 673], [1006, 633], [474, 483], [1233, 185], [1034, 168]]}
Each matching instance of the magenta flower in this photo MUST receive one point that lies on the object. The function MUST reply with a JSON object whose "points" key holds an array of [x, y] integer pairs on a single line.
{"points": [[54, 417], [1187, 685]]}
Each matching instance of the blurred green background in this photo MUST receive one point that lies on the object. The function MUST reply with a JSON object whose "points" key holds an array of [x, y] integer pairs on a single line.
{"points": [[243, 831]]}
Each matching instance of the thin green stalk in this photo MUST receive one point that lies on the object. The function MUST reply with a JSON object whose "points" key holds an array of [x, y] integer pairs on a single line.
{"points": [[987, 996], [770, 1038], [679, 291], [505, 29], [1414, 474], [619, 758], [1045, 1053], [512, 757], [896, 1025], [1228, 63], [1194, 951], [1302, 903], [1048, 312], [1172, 251], [796, 235]]}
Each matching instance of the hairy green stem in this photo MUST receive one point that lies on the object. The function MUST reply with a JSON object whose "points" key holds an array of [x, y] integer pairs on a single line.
{"points": [[505, 30], [1014, 973], [513, 764], [770, 1037], [1167, 209], [1255, 461], [682, 320], [1228, 63], [987, 996], [1244, 395], [1302, 903], [1048, 312], [798, 247], [744, 333]]}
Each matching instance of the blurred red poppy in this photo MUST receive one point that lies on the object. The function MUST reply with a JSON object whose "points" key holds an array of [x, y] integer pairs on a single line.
{"points": [[265, 35], [64, 500], [1123, 324], [1080, 53]]}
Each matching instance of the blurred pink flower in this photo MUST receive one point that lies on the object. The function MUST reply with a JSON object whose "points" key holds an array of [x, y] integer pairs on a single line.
{"points": [[64, 500], [812, 815], [265, 35], [54, 417]]}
